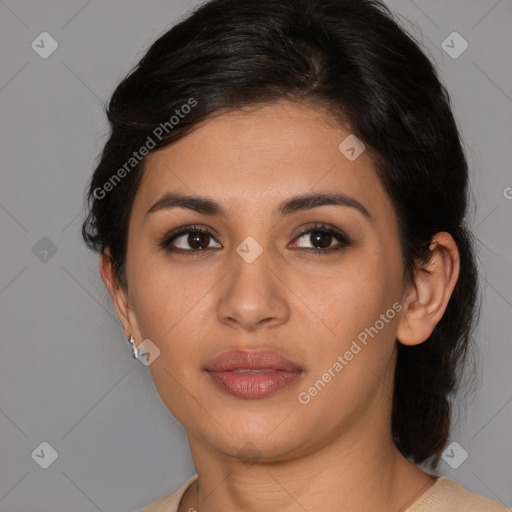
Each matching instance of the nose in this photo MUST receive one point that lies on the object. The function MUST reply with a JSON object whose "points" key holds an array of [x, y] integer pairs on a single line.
{"points": [[254, 294]]}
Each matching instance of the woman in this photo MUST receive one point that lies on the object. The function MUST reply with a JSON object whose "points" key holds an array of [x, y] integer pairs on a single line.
{"points": [[280, 212]]}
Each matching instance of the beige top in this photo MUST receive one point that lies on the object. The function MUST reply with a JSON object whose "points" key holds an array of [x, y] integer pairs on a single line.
{"points": [[445, 495]]}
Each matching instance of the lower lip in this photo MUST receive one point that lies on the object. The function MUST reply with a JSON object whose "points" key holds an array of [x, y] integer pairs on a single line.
{"points": [[255, 385]]}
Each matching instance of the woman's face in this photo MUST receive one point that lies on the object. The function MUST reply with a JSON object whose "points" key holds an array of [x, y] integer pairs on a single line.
{"points": [[259, 284]]}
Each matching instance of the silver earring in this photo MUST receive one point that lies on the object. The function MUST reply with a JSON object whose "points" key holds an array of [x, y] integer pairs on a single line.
{"points": [[135, 350]]}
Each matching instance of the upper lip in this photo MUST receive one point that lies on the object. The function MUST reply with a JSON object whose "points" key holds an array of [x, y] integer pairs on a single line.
{"points": [[251, 360]]}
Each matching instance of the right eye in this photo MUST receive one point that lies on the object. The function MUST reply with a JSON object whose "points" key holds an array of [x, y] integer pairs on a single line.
{"points": [[191, 239]]}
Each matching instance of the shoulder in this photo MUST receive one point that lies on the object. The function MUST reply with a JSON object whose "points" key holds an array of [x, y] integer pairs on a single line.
{"points": [[448, 495], [445, 495], [170, 502]]}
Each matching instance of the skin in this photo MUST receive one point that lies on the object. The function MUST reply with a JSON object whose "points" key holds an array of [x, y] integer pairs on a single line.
{"points": [[308, 307]]}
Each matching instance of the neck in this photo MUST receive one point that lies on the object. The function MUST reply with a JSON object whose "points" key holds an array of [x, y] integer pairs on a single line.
{"points": [[324, 479]]}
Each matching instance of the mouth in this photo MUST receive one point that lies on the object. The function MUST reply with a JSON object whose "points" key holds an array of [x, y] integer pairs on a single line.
{"points": [[252, 371], [252, 374]]}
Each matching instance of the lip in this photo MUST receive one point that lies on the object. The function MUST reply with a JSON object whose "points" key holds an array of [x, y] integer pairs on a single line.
{"points": [[252, 374], [250, 359]]}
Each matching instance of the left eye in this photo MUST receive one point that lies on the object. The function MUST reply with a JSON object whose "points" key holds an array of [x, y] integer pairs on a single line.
{"points": [[322, 239]]}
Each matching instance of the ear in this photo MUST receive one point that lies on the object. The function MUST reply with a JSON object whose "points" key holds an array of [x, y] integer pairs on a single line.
{"points": [[425, 304], [120, 297]]}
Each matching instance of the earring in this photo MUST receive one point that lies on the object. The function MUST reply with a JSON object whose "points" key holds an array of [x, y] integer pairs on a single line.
{"points": [[135, 350]]}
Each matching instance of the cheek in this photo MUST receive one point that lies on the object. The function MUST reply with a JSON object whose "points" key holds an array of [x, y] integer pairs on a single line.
{"points": [[169, 311], [357, 294], [173, 309], [361, 311], [161, 296]]}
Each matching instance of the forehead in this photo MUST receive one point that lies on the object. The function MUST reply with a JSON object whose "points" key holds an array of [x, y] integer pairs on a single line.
{"points": [[260, 156]]}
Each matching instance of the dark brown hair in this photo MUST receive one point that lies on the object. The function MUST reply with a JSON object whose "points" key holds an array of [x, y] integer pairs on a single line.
{"points": [[352, 57]]}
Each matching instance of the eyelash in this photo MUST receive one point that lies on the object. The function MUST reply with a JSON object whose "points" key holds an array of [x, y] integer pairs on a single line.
{"points": [[165, 242]]}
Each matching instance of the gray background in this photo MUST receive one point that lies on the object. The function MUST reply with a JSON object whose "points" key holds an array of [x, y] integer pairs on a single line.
{"points": [[66, 374]]}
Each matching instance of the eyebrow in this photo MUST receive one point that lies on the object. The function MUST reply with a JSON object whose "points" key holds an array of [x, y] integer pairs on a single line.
{"points": [[294, 204]]}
